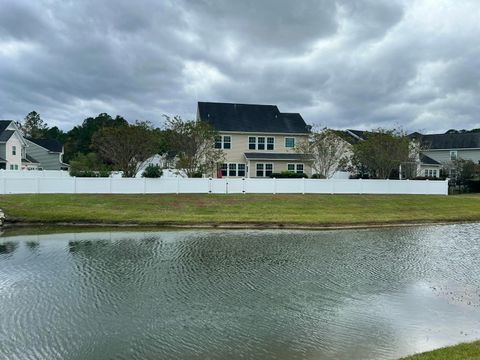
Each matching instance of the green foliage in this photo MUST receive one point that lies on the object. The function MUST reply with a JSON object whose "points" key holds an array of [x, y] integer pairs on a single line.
{"points": [[79, 139], [126, 146], [288, 175], [152, 171], [380, 153], [88, 165], [193, 143], [318, 176], [33, 126]]}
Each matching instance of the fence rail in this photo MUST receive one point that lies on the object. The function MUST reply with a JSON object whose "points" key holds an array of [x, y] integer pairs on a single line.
{"points": [[73, 185]]}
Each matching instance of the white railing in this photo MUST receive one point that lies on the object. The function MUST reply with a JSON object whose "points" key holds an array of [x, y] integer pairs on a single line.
{"points": [[73, 185], [33, 173]]}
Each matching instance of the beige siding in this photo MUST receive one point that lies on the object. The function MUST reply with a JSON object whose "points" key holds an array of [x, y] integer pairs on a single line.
{"points": [[239, 146], [16, 159]]}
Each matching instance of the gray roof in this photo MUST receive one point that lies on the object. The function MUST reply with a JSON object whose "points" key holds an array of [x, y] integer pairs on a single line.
{"points": [[251, 118], [2, 160], [30, 159], [4, 124], [424, 159], [451, 141], [274, 156], [49, 144], [6, 134]]}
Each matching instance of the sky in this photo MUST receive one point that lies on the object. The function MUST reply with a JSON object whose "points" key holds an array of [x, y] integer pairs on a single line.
{"points": [[360, 64]]}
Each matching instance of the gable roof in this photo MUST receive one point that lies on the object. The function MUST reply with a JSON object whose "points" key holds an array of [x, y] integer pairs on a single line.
{"points": [[250, 118], [451, 141], [4, 124], [6, 134], [427, 160], [49, 144]]}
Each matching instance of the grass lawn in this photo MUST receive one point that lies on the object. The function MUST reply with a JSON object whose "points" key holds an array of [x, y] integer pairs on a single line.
{"points": [[470, 351], [294, 210]]}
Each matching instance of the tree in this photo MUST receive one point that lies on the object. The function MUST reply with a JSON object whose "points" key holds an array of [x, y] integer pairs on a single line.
{"points": [[79, 139], [381, 153], [193, 142], [126, 146], [33, 126], [152, 171], [325, 151]]}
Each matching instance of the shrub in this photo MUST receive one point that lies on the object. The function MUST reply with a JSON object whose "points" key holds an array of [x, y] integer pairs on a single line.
{"points": [[152, 171], [318, 176], [288, 175]]}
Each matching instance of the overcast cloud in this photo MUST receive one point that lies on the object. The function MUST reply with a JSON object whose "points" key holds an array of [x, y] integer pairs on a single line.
{"points": [[342, 64]]}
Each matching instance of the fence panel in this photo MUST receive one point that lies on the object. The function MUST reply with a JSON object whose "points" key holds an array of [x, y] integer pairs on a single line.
{"points": [[32, 185]]}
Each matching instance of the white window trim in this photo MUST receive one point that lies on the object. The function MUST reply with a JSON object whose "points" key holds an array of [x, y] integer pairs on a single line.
{"points": [[264, 169], [295, 165], [236, 169], [265, 143], [222, 142]]}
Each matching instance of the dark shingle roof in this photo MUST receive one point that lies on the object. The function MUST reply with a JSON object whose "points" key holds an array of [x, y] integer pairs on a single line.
{"points": [[250, 118], [2, 160], [30, 159], [4, 124], [451, 141], [424, 159], [6, 134], [274, 156], [49, 144]]}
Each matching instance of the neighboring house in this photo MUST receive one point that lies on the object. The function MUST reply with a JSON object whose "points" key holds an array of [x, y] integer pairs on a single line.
{"points": [[257, 140], [441, 149], [19, 153]]}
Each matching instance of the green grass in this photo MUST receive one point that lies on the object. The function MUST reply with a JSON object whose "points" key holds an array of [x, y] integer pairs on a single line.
{"points": [[468, 351], [294, 210]]}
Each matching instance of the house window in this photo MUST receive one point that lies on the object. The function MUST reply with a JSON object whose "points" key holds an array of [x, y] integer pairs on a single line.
{"points": [[218, 142], [232, 169], [14, 150], [261, 143], [268, 169], [270, 143], [289, 142], [260, 168], [453, 155], [227, 142], [223, 142], [297, 168], [224, 169], [426, 172], [252, 142], [241, 169], [435, 173], [430, 173]]}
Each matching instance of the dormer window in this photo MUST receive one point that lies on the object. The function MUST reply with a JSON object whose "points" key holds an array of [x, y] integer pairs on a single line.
{"points": [[453, 155]]}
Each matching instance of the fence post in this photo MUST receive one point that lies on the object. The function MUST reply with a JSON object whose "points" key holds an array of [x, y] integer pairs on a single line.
{"points": [[74, 184], [178, 184], [361, 185], [303, 185], [243, 186], [226, 186], [110, 184], [38, 185], [209, 185], [144, 185], [274, 186]]}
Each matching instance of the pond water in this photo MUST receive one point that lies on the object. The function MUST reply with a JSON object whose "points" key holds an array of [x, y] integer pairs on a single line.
{"points": [[353, 294]]}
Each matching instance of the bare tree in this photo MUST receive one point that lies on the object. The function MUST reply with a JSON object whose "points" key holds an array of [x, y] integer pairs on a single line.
{"points": [[325, 151], [126, 146], [193, 142]]}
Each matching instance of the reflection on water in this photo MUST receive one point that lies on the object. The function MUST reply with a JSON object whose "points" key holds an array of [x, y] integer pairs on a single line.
{"points": [[239, 294]]}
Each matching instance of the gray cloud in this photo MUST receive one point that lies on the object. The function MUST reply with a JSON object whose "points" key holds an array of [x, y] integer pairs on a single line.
{"points": [[344, 63]]}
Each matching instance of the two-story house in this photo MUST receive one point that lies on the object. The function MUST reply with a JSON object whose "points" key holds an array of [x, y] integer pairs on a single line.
{"points": [[257, 140], [20, 153]]}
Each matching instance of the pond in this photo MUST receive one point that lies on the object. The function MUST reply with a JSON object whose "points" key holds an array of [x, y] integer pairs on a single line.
{"points": [[349, 294]]}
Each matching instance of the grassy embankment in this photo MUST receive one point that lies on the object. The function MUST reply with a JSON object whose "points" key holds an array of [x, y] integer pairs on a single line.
{"points": [[241, 210], [468, 351]]}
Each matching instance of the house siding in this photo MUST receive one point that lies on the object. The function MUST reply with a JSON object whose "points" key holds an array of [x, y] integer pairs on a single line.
{"points": [[15, 160], [48, 160], [443, 156], [239, 146], [2, 150]]}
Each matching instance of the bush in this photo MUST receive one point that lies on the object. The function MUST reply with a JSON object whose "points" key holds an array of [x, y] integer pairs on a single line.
{"points": [[318, 176], [90, 173], [152, 171], [288, 175], [428, 178]]}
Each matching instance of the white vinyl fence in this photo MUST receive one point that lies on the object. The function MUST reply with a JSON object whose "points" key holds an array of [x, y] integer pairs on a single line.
{"points": [[72, 185]]}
